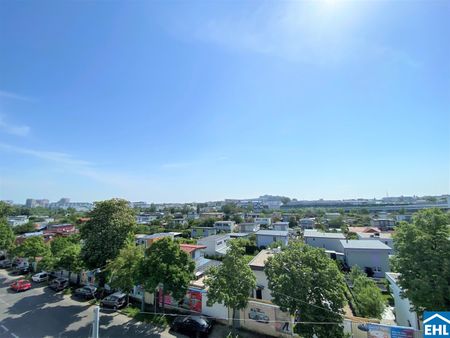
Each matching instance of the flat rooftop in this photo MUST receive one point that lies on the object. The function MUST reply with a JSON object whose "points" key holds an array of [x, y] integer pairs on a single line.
{"points": [[364, 244], [319, 234], [259, 261], [272, 233]]}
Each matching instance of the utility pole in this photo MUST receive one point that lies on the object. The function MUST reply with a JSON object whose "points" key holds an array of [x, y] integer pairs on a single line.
{"points": [[96, 322]]}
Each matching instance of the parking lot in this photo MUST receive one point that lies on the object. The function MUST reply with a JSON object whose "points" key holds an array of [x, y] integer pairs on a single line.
{"points": [[40, 312]]}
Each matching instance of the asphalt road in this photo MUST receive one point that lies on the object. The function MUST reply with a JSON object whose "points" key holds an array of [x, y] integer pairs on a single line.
{"points": [[40, 312]]}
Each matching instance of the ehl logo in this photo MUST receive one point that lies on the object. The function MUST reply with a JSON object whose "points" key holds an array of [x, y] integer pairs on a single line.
{"points": [[436, 324]]}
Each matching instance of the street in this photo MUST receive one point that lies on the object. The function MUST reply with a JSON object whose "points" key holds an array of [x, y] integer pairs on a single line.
{"points": [[40, 312]]}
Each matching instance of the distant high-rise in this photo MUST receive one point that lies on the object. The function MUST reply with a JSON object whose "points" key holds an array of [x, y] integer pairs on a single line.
{"points": [[64, 200], [30, 203]]}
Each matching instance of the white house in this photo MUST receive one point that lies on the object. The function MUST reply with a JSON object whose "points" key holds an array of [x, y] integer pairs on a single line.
{"points": [[257, 265], [17, 220], [384, 237], [145, 218], [266, 237], [367, 254], [403, 314], [227, 226], [266, 221], [280, 226], [307, 223], [216, 244], [203, 231], [249, 227], [326, 240]]}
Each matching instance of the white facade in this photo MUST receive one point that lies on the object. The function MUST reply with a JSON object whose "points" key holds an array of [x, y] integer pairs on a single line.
{"points": [[403, 314], [280, 226], [249, 227], [367, 254], [257, 265], [325, 240], [307, 223], [15, 221], [215, 245], [263, 221], [266, 237], [383, 237], [227, 226]]}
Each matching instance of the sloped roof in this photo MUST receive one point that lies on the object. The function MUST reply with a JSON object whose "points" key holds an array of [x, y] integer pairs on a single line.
{"points": [[189, 248]]}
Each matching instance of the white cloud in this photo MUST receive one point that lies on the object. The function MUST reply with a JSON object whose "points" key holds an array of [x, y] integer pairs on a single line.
{"points": [[67, 163], [13, 129], [14, 96]]}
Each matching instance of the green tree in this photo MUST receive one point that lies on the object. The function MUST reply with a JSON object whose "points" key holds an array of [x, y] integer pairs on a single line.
{"points": [[111, 223], [166, 266], [368, 297], [59, 244], [23, 228], [124, 269], [308, 284], [70, 259], [7, 237], [231, 283], [32, 247], [423, 260]]}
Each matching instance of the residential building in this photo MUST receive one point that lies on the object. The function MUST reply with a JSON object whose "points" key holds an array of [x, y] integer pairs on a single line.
{"points": [[196, 252], [383, 223], [330, 241], [257, 264], [146, 218], [215, 215], [369, 230], [178, 221], [403, 314], [147, 240], [368, 255], [203, 232], [225, 226], [30, 203], [266, 221], [249, 227], [307, 223], [239, 234], [280, 226], [266, 237], [384, 237], [216, 245], [14, 221]]}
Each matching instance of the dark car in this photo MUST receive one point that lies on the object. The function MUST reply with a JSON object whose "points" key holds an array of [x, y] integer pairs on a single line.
{"points": [[23, 270], [6, 263], [115, 300], [194, 326], [86, 292], [59, 284]]}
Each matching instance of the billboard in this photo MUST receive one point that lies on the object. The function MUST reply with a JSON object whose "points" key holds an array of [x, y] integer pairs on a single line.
{"points": [[264, 317], [385, 331], [192, 301]]}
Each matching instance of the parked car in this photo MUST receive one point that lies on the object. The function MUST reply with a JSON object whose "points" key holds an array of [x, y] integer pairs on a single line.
{"points": [[115, 300], [23, 270], [196, 326], [86, 292], [6, 263], [40, 277], [20, 285], [59, 284]]}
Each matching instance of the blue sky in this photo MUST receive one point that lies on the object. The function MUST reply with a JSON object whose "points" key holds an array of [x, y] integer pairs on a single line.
{"points": [[193, 101]]}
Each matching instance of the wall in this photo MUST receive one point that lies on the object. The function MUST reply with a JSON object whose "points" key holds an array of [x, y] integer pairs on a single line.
{"points": [[262, 240], [368, 258], [261, 280], [403, 315], [333, 244]]}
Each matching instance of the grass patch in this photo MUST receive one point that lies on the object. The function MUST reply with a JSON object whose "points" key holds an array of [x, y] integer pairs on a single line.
{"points": [[67, 291], [154, 319]]}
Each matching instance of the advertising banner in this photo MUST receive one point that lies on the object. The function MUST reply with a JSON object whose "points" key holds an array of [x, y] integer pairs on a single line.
{"points": [[385, 331]]}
